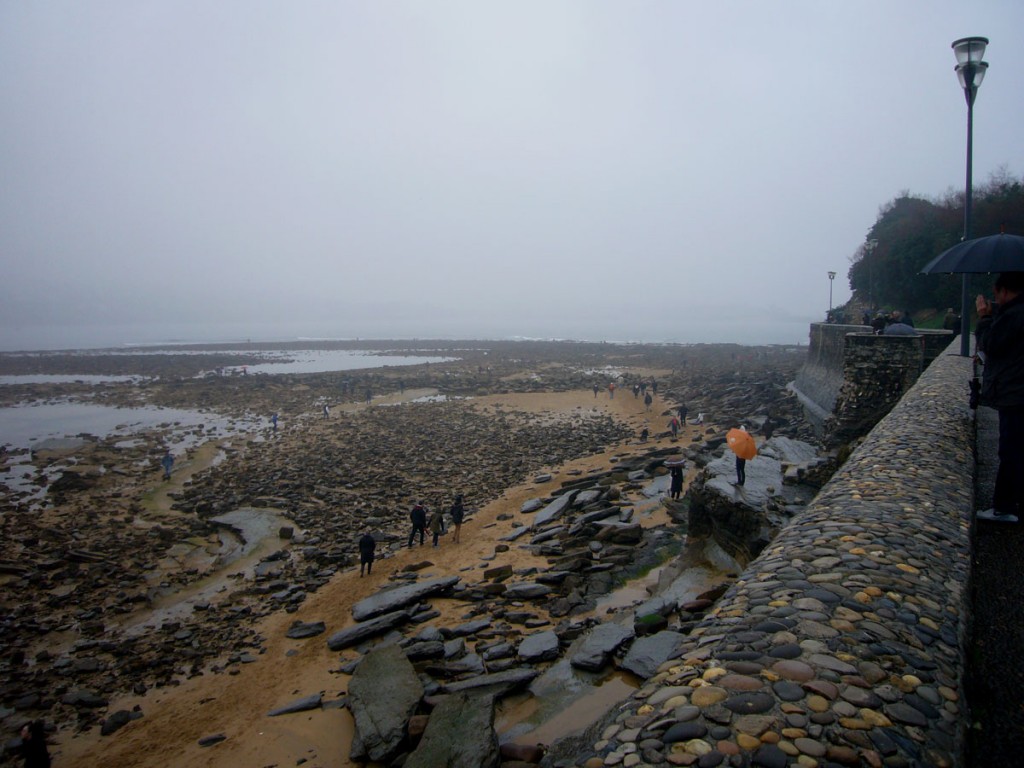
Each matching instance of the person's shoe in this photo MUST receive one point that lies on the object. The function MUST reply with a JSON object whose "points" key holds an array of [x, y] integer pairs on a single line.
{"points": [[996, 517]]}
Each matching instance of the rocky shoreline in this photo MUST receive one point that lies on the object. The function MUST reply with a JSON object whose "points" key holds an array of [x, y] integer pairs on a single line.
{"points": [[98, 548]]}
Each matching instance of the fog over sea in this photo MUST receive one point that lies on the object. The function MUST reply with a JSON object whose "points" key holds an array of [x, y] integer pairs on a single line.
{"points": [[642, 324]]}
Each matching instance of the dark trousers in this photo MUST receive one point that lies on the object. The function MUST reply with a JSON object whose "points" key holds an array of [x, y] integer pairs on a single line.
{"points": [[423, 533], [741, 471], [1009, 493]]}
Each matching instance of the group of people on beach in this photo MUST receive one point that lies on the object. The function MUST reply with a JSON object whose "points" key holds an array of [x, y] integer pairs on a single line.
{"points": [[422, 520]]}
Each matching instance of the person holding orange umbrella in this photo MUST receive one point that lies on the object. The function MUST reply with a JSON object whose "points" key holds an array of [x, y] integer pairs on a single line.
{"points": [[742, 444]]}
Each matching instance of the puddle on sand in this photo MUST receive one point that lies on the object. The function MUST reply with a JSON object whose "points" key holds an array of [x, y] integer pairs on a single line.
{"points": [[252, 535], [636, 591], [561, 702]]}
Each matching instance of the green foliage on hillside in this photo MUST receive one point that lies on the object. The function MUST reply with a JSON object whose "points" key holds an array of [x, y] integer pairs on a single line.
{"points": [[910, 231]]}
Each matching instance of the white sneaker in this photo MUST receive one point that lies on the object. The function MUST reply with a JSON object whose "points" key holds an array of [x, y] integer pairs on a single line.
{"points": [[995, 517]]}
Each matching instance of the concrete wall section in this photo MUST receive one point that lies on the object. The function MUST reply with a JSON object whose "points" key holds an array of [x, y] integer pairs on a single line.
{"points": [[820, 379]]}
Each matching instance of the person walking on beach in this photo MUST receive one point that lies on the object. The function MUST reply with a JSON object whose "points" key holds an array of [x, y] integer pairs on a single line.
{"points": [[673, 425], [437, 525], [647, 401], [458, 513], [273, 420], [33, 745], [999, 332], [367, 545], [369, 395], [676, 487], [418, 518], [168, 463], [596, 388], [327, 411], [611, 390]]}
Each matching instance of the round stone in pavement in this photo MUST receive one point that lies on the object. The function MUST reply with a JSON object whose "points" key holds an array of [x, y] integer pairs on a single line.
{"points": [[684, 732], [750, 703], [711, 759], [788, 690], [770, 756]]}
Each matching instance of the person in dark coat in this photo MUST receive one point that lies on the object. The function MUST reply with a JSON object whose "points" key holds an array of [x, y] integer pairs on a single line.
{"points": [[676, 488], [367, 545], [1000, 332], [458, 513], [741, 471], [33, 745], [418, 517]]}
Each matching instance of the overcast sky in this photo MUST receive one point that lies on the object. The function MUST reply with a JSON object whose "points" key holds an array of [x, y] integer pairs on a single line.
{"points": [[649, 171]]}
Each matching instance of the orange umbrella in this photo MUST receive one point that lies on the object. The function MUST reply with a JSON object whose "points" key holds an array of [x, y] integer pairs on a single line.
{"points": [[742, 443]]}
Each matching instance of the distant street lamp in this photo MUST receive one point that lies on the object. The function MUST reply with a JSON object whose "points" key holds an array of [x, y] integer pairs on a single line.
{"points": [[869, 248], [831, 277], [970, 70]]}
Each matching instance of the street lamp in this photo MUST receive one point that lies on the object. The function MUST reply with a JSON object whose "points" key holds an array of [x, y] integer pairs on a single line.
{"points": [[970, 70], [869, 248], [831, 277]]}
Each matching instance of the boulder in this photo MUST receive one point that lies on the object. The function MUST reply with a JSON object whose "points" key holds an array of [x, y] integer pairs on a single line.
{"points": [[648, 653], [460, 734], [382, 695], [542, 646], [598, 645]]}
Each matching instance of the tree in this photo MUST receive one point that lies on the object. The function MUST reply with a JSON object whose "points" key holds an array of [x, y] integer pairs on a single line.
{"points": [[911, 230]]}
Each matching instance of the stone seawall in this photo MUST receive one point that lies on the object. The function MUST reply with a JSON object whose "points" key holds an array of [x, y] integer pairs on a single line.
{"points": [[852, 377], [844, 641]]}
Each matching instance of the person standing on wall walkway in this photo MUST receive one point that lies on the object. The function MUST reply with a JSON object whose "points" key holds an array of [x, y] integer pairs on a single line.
{"points": [[1000, 344]]}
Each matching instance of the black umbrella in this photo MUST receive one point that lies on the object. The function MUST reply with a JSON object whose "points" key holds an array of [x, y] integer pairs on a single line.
{"points": [[995, 253]]}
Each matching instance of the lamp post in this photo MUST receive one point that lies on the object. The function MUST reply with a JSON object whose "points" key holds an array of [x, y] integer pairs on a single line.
{"points": [[970, 70], [831, 277], [869, 248]]}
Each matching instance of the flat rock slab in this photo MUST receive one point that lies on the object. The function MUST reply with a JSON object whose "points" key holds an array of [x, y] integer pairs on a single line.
{"points": [[382, 695], [299, 705], [599, 644], [303, 629], [526, 590], [399, 597], [648, 653], [497, 684], [350, 636], [554, 510]]}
